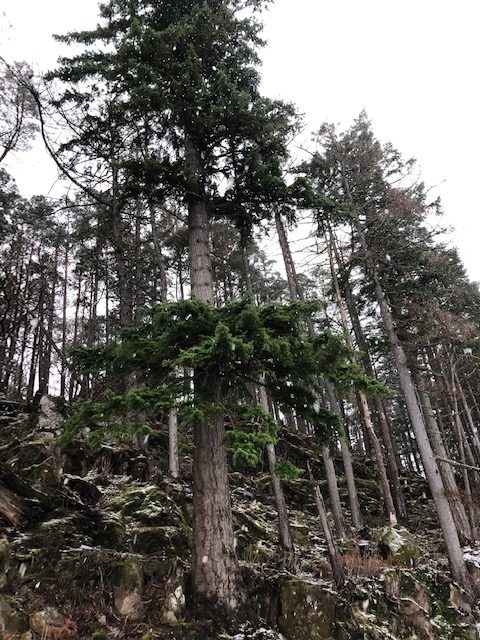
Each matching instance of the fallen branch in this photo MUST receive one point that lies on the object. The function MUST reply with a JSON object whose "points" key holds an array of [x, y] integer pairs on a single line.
{"points": [[453, 463]]}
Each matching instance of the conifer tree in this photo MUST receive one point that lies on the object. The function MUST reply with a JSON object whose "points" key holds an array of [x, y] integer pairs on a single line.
{"points": [[186, 70]]}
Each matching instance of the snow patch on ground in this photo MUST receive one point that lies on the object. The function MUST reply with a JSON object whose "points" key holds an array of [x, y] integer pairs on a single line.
{"points": [[472, 556]]}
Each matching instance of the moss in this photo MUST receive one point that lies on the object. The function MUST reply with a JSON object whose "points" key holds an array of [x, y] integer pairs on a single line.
{"points": [[99, 635], [146, 504], [109, 531], [308, 610], [166, 540]]}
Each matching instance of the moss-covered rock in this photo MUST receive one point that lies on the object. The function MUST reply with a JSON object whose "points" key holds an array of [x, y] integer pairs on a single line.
{"points": [[12, 623], [50, 420], [307, 610], [168, 540], [36, 463], [399, 544], [4, 560], [147, 504]]}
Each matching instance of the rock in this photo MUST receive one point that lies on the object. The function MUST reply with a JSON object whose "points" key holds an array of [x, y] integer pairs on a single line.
{"points": [[50, 624], [167, 540], [307, 611], [50, 420], [147, 504], [174, 605], [12, 623], [35, 463], [398, 543], [413, 604], [127, 589], [4, 560], [86, 491]]}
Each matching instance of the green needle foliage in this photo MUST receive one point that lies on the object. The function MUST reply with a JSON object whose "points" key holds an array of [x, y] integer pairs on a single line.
{"points": [[237, 345]]}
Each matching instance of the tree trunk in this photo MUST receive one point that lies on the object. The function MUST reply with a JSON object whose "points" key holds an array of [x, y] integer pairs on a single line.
{"points": [[432, 472], [347, 459], [173, 461], [337, 569], [451, 488], [283, 519], [389, 476], [11, 506], [214, 563], [365, 409], [334, 493], [296, 293]]}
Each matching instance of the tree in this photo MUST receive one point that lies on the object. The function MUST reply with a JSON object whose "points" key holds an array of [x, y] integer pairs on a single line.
{"points": [[356, 172], [186, 70], [18, 113]]}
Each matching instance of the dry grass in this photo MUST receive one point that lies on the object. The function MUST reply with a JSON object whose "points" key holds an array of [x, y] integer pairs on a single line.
{"points": [[355, 565]]}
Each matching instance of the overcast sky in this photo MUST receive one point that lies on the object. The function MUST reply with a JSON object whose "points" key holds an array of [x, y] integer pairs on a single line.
{"points": [[412, 64]]}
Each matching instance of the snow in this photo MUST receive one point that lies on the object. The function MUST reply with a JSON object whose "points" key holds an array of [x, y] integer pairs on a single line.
{"points": [[472, 556]]}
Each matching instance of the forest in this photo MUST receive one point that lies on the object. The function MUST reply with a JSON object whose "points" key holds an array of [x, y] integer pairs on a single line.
{"points": [[238, 373]]}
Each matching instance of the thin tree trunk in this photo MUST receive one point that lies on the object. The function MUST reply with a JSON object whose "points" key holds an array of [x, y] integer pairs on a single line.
{"points": [[282, 511], [432, 472], [63, 371], [448, 476], [173, 461], [473, 428], [389, 477], [337, 569], [347, 460], [334, 493], [377, 450], [296, 293]]}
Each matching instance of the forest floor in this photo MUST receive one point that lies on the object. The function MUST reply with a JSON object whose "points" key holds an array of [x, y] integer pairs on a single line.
{"points": [[101, 550]]}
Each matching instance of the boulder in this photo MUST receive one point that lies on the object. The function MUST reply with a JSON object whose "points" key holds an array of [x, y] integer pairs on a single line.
{"points": [[398, 543], [307, 610], [127, 589], [174, 604], [147, 504], [36, 464], [50, 420]]}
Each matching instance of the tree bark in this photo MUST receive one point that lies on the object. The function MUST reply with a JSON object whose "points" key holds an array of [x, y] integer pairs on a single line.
{"points": [[451, 487], [296, 293], [337, 569], [214, 563], [282, 511]]}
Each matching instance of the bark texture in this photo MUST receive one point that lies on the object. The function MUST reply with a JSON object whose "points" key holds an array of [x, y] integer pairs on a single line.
{"points": [[214, 563]]}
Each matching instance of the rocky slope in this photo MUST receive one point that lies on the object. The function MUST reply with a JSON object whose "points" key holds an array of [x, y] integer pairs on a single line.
{"points": [[95, 545]]}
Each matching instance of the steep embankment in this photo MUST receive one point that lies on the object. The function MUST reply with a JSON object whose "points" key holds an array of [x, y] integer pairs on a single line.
{"points": [[96, 545]]}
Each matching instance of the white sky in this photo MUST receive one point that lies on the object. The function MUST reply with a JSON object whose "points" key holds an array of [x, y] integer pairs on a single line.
{"points": [[412, 64]]}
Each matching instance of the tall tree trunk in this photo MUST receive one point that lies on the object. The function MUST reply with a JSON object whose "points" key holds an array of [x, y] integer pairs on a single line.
{"points": [[471, 423], [63, 371], [365, 409], [389, 476], [214, 563]]}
